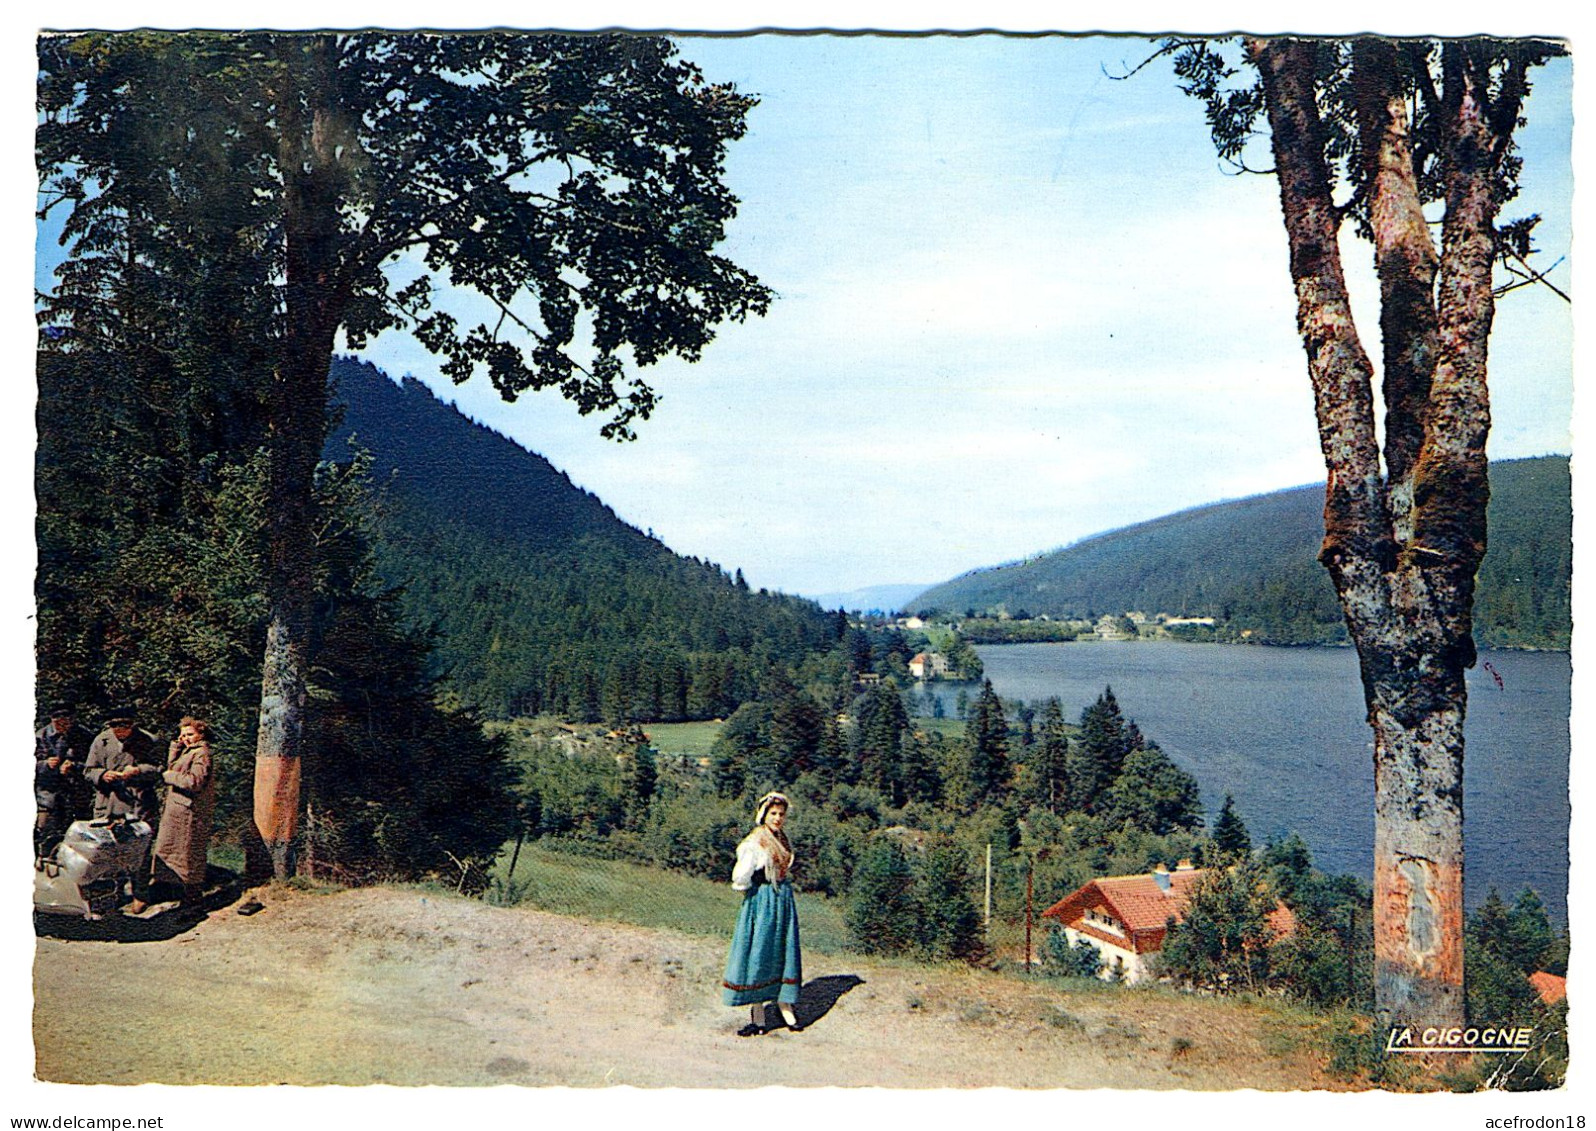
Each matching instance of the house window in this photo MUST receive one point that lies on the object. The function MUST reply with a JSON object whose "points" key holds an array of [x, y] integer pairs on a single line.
{"points": [[1095, 916]]}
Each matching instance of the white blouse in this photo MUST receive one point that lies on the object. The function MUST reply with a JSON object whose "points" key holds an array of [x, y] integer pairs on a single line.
{"points": [[760, 851]]}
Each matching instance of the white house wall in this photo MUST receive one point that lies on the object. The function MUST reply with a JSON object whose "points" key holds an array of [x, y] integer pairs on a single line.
{"points": [[1135, 967]]}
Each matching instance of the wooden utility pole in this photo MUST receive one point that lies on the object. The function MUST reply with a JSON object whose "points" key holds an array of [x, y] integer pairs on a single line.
{"points": [[1030, 868], [989, 887]]}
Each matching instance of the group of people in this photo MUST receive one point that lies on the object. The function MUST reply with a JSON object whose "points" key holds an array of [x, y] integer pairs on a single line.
{"points": [[120, 774]]}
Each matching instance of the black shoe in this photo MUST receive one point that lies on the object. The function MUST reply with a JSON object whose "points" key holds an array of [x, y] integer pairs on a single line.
{"points": [[751, 1030]]}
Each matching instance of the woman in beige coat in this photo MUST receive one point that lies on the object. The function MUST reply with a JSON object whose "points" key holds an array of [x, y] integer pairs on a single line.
{"points": [[185, 831]]}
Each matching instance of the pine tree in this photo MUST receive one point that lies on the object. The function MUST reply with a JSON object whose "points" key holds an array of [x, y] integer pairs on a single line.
{"points": [[1230, 834], [986, 734], [950, 923], [740, 761], [1529, 937], [639, 778], [917, 771], [1047, 763], [795, 727], [1099, 751], [831, 754], [884, 913], [882, 724], [1290, 865], [1154, 794]]}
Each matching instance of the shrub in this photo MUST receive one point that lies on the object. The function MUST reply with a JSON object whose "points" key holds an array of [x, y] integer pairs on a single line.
{"points": [[883, 907]]}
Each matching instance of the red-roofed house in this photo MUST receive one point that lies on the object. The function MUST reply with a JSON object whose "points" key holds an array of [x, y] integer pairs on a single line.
{"points": [[1125, 917], [1551, 987]]}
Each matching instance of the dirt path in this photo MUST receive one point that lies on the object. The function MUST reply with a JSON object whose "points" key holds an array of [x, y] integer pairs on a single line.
{"points": [[387, 985]]}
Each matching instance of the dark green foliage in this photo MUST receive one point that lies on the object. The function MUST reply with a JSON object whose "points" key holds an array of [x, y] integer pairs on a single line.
{"points": [[741, 753], [881, 724], [1098, 753], [1045, 774], [596, 157], [1331, 911], [859, 803], [1230, 832], [1498, 992], [398, 786], [1545, 1064], [1153, 793], [1312, 963], [153, 592], [1524, 588], [986, 734], [1253, 565], [917, 770], [639, 776], [541, 600], [831, 850], [1530, 939], [697, 834], [1072, 960], [950, 925], [579, 792], [1518, 937], [993, 630], [217, 246], [797, 730], [963, 663], [1290, 865], [1503, 946], [1222, 943], [1556, 958], [830, 753], [884, 911]]}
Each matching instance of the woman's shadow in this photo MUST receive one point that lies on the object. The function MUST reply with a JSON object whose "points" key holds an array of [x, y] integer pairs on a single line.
{"points": [[818, 995]]}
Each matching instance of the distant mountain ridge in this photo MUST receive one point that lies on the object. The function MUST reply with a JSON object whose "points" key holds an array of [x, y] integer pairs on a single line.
{"points": [[871, 598], [1252, 564], [540, 599]]}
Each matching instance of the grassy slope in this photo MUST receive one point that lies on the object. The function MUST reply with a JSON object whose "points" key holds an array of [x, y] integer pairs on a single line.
{"points": [[620, 892]]}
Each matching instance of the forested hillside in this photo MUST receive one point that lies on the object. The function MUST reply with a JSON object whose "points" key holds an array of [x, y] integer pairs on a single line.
{"points": [[541, 599], [1251, 564]]}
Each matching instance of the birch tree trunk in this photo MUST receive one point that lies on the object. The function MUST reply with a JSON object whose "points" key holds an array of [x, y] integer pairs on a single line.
{"points": [[310, 161], [1402, 544]]}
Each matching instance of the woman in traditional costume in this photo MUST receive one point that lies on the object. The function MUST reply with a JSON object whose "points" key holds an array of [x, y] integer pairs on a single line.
{"points": [[765, 963]]}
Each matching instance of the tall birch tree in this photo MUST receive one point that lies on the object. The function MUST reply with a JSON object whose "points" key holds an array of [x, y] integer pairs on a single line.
{"points": [[1398, 137]]}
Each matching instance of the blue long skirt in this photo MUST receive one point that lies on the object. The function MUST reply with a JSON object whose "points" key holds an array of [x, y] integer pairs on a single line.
{"points": [[765, 963]]}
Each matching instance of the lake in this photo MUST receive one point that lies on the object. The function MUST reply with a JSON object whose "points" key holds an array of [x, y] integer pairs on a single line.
{"points": [[1283, 731]]}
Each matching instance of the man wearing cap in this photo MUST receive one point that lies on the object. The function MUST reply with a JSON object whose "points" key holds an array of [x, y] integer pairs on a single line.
{"points": [[124, 769], [60, 750]]}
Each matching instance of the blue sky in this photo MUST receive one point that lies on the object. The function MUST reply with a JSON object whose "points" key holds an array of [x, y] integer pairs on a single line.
{"points": [[1019, 302]]}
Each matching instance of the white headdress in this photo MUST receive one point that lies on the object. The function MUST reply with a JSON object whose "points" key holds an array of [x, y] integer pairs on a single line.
{"points": [[765, 802]]}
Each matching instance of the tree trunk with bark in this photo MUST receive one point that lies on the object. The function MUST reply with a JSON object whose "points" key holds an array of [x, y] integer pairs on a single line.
{"points": [[1402, 544], [310, 163]]}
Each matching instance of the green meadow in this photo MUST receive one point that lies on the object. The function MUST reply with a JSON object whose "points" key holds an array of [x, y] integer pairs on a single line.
{"points": [[622, 892]]}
